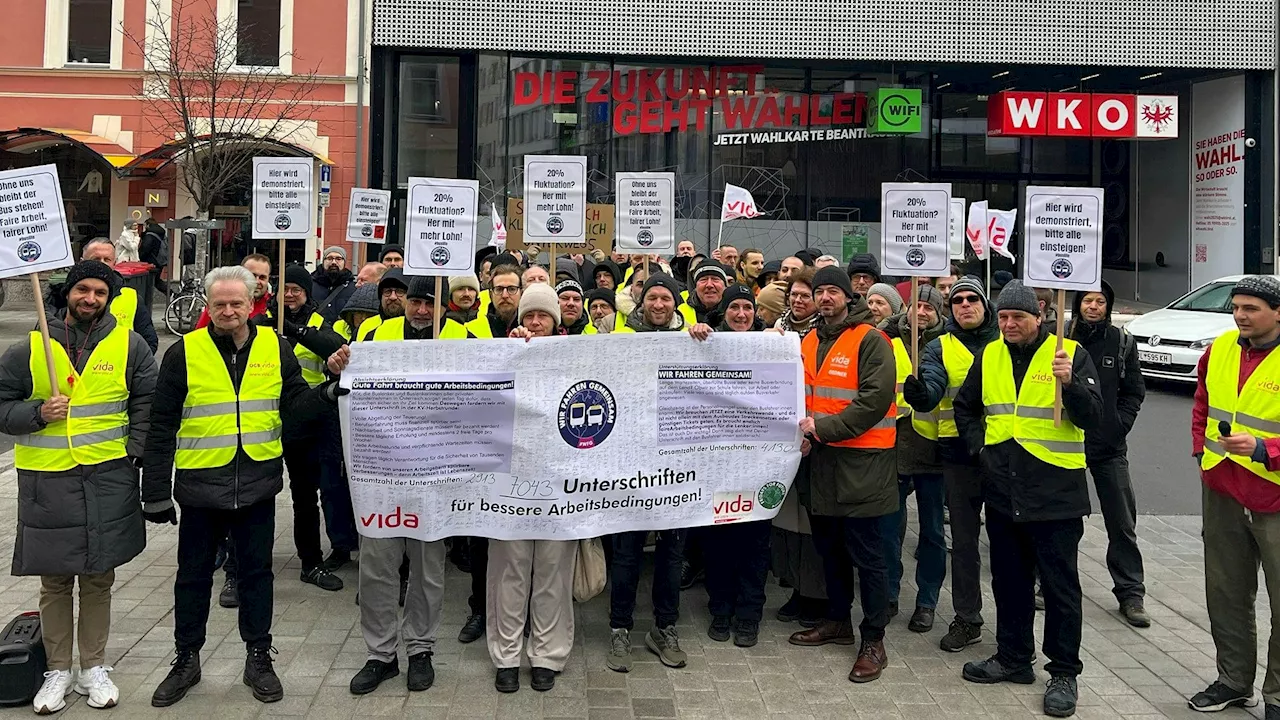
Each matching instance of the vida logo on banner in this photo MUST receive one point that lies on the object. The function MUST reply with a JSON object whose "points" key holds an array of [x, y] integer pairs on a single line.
{"points": [[738, 203], [498, 238], [976, 229], [1000, 229]]}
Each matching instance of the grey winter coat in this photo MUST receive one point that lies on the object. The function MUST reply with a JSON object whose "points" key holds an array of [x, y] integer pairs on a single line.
{"points": [[86, 520]]}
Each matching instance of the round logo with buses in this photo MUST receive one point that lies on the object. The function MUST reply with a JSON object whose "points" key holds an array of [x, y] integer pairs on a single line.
{"points": [[587, 414]]}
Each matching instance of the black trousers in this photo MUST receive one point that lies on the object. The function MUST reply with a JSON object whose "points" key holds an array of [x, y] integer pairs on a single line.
{"points": [[624, 577], [303, 461], [845, 543], [1120, 513], [479, 550], [964, 498], [1021, 551], [737, 568], [253, 531]]}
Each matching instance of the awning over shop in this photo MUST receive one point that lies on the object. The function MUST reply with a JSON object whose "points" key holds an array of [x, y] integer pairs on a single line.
{"points": [[150, 163], [28, 140]]}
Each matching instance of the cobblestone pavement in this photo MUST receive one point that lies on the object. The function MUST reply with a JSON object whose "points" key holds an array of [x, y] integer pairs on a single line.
{"points": [[1128, 673]]}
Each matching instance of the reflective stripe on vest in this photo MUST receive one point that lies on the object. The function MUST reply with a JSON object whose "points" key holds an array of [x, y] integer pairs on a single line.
{"points": [[97, 426], [926, 424], [312, 364], [956, 360], [215, 418], [1253, 408], [1026, 414], [830, 389], [125, 307]]}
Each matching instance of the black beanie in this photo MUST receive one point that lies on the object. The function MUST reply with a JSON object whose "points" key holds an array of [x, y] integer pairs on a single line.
{"points": [[602, 294], [661, 280], [389, 249], [421, 287], [392, 278], [832, 275], [505, 258], [298, 275], [864, 263], [736, 292], [93, 270], [568, 286]]}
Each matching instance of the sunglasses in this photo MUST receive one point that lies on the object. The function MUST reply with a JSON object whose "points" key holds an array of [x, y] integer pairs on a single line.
{"points": [[961, 299]]}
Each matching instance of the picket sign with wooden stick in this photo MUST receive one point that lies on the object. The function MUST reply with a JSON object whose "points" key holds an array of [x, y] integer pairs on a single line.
{"points": [[36, 238], [1057, 385], [552, 264], [283, 209], [440, 233], [915, 240]]}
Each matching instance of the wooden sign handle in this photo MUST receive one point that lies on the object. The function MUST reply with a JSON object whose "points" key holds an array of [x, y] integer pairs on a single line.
{"points": [[553, 264], [1057, 385], [280, 291], [44, 334], [915, 328], [435, 317]]}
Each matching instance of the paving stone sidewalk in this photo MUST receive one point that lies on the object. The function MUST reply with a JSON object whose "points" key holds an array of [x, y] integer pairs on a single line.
{"points": [[1128, 673]]}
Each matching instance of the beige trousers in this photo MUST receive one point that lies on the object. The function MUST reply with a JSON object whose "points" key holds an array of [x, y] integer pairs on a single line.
{"points": [[57, 618], [533, 580]]}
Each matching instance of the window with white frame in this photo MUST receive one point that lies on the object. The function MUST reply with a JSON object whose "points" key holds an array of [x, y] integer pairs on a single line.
{"points": [[89, 29], [258, 32]]}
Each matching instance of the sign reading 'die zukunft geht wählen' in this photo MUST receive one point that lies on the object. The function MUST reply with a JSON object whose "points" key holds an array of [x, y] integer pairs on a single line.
{"points": [[368, 214], [440, 229], [555, 199], [570, 437], [646, 207], [282, 192], [1062, 234], [915, 233], [33, 227]]}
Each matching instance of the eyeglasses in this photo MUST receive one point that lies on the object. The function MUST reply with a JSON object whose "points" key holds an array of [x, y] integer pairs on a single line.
{"points": [[293, 291], [801, 296], [962, 299], [506, 289], [334, 257]]}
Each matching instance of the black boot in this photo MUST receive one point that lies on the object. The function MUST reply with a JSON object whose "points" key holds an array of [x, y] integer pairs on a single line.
{"points": [[472, 630], [372, 675], [260, 676], [184, 676], [421, 674]]}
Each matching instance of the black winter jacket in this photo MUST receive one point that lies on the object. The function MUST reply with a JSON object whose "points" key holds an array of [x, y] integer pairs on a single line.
{"points": [[1014, 481], [244, 481], [933, 374], [330, 295], [1120, 377]]}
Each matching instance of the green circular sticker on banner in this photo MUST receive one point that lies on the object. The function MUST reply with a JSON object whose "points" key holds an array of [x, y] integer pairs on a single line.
{"points": [[771, 495]]}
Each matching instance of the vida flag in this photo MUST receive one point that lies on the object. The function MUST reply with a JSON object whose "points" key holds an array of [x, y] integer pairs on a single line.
{"points": [[499, 237], [976, 229], [999, 229], [738, 203]]}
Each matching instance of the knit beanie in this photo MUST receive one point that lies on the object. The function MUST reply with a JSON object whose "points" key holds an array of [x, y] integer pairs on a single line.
{"points": [[805, 256], [832, 275], [363, 300], [602, 294], [970, 283], [661, 280], [93, 270], [890, 295], [933, 296], [569, 286], [457, 282], [999, 279], [772, 298], [1016, 296], [539, 296], [773, 267], [736, 292], [711, 267], [390, 249], [1263, 287], [864, 263], [335, 249], [298, 275], [392, 278], [505, 258], [421, 287]]}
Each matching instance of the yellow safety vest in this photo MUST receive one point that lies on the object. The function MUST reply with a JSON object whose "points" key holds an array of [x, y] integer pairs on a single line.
{"points": [[482, 300], [342, 328], [215, 419], [1026, 414], [956, 360], [312, 364], [369, 325], [924, 424], [125, 307], [1252, 409], [393, 329], [97, 426], [690, 316]]}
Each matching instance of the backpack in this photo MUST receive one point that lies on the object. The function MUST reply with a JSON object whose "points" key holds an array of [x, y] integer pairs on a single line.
{"points": [[1126, 346], [162, 254]]}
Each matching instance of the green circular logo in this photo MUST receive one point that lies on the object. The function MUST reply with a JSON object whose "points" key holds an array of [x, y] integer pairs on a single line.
{"points": [[771, 495], [896, 110]]}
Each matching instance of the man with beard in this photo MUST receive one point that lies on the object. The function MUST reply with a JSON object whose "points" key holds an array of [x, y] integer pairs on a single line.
{"points": [[391, 290], [76, 449], [572, 318], [333, 284], [504, 299], [685, 248], [709, 281], [126, 308], [313, 446], [788, 266], [850, 436]]}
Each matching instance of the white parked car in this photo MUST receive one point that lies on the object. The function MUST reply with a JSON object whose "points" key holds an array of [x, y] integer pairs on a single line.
{"points": [[1172, 339]]}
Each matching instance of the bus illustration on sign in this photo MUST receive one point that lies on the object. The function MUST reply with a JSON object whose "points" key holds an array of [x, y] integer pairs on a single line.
{"points": [[577, 414]]}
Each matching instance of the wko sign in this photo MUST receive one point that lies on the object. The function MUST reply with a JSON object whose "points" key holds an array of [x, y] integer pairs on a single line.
{"points": [[1097, 115]]}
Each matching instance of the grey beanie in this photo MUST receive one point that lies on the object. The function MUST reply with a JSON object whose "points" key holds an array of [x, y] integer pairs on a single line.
{"points": [[1016, 296], [335, 249], [364, 300], [933, 296], [890, 295], [1263, 287]]}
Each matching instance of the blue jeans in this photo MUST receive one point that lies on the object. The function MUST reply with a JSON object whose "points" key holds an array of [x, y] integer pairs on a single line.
{"points": [[931, 563]]}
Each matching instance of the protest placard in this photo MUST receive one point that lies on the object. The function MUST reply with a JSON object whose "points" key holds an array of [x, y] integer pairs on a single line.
{"points": [[599, 223], [440, 226], [368, 215], [555, 195], [646, 212], [956, 230], [914, 229], [282, 192], [1062, 238]]}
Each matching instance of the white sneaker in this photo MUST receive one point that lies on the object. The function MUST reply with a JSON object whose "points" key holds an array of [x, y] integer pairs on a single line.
{"points": [[51, 698], [94, 683]]}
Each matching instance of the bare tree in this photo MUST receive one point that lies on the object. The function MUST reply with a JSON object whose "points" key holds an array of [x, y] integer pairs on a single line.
{"points": [[202, 98]]}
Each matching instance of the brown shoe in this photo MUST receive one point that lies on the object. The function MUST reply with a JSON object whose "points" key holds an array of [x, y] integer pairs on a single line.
{"points": [[827, 632], [871, 662]]}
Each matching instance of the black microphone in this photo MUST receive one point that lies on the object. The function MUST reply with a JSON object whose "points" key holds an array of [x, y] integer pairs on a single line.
{"points": [[1224, 427]]}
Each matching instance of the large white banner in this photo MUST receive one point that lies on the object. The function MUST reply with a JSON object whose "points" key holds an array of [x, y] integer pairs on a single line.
{"points": [[570, 437]]}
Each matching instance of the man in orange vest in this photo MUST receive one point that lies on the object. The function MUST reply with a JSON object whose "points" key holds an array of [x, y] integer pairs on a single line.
{"points": [[850, 432]]}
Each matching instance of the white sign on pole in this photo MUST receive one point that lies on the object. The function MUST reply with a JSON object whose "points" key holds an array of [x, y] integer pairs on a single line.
{"points": [[955, 230], [555, 199], [914, 229], [368, 214], [645, 209], [441, 226], [33, 223], [282, 192], [1062, 238]]}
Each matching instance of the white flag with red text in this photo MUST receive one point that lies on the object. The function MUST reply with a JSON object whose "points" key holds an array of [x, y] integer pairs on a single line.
{"points": [[499, 237], [976, 229], [738, 203], [1000, 229]]}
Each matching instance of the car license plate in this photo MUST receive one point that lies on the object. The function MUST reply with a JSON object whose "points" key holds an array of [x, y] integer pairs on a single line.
{"points": [[1155, 357]]}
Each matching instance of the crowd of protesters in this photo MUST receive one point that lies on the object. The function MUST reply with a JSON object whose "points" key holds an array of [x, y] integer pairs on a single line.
{"points": [[951, 399]]}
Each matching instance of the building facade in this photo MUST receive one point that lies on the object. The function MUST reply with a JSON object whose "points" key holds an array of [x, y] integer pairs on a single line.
{"points": [[812, 104], [73, 92]]}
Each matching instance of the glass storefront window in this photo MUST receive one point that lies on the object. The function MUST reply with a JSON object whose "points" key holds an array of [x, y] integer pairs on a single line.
{"points": [[427, 125]]}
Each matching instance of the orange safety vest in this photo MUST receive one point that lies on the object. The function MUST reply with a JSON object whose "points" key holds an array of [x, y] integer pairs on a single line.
{"points": [[831, 389]]}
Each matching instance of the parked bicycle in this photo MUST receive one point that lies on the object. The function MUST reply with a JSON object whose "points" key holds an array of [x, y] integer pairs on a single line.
{"points": [[183, 311]]}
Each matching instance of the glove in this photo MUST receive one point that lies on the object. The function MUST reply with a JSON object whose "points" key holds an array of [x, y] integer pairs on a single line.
{"points": [[169, 516], [293, 330], [335, 391], [914, 392]]}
